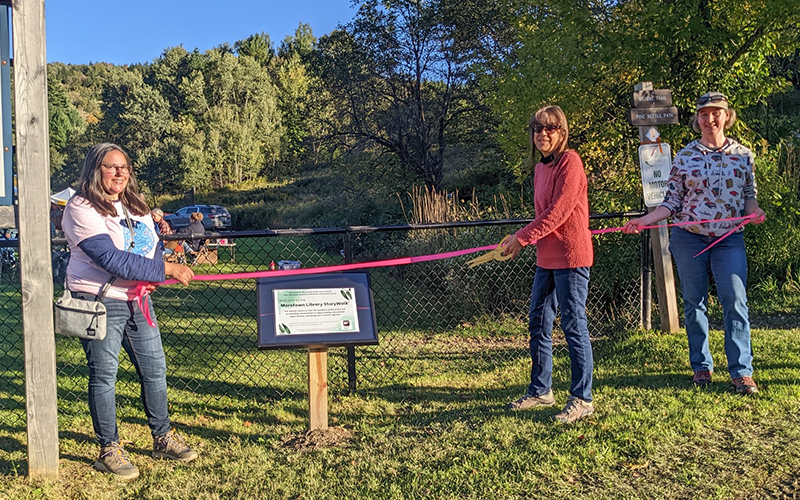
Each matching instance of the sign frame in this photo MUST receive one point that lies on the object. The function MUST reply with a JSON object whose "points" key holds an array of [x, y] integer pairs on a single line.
{"points": [[7, 187], [270, 335]]}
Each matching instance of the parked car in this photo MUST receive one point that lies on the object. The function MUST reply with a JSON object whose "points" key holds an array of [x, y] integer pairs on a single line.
{"points": [[215, 217]]}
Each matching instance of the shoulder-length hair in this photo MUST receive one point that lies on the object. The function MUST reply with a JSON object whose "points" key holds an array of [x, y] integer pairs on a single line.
{"points": [[90, 185], [551, 115]]}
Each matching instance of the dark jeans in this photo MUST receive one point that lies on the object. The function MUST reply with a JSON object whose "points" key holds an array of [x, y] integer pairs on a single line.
{"points": [[567, 289], [727, 262], [127, 328]]}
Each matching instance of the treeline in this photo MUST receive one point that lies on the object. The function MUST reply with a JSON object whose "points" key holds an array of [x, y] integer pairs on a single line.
{"points": [[432, 91]]}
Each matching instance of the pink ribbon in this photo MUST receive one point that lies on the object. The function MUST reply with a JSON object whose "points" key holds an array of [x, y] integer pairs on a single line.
{"points": [[141, 290], [141, 301]]}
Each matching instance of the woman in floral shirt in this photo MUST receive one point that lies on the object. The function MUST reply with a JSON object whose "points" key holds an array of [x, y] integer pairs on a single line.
{"points": [[712, 179]]}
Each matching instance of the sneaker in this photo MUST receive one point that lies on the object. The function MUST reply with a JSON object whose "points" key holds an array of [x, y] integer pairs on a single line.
{"points": [[172, 446], [113, 459], [744, 385], [576, 409], [701, 378], [530, 401]]}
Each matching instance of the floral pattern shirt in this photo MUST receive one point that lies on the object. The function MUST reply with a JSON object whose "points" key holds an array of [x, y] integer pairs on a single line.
{"points": [[707, 184]]}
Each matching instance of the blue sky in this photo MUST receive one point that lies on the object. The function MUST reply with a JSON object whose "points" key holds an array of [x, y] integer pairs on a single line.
{"points": [[138, 31]]}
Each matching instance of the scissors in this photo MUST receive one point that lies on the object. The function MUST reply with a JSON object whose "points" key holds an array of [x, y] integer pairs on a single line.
{"points": [[494, 254]]}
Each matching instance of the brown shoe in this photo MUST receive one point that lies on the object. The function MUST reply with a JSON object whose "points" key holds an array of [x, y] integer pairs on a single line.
{"points": [[113, 459], [576, 409], [701, 378], [744, 385], [173, 447], [530, 401]]}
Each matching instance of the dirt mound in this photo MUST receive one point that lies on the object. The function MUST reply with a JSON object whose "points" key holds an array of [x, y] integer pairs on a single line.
{"points": [[317, 438]]}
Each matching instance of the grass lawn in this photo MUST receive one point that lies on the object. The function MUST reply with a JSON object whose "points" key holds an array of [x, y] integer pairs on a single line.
{"points": [[445, 434]]}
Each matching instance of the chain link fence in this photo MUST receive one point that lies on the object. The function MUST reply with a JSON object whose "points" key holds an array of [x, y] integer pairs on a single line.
{"points": [[428, 314]]}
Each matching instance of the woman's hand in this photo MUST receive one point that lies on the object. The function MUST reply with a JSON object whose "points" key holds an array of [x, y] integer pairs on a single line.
{"points": [[761, 216], [751, 208], [633, 226], [183, 274], [512, 247]]}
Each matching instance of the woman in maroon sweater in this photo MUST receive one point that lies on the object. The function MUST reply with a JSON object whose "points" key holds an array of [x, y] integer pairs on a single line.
{"points": [[564, 255]]}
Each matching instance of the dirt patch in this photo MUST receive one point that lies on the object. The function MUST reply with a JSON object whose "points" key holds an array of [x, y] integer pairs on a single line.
{"points": [[318, 438]]}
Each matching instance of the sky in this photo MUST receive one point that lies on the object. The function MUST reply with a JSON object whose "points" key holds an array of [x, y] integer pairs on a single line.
{"points": [[137, 31]]}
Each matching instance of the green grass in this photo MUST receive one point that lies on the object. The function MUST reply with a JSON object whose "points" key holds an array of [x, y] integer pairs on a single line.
{"points": [[441, 432]]}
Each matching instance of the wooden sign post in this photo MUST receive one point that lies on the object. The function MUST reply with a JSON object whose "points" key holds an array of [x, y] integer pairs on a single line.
{"points": [[646, 117], [317, 388]]}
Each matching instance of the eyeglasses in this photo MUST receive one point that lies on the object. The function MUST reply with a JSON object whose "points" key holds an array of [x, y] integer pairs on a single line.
{"points": [[705, 99], [125, 169], [538, 127]]}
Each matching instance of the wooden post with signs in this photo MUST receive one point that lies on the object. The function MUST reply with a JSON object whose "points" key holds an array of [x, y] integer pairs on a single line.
{"points": [[654, 107], [33, 170], [317, 388]]}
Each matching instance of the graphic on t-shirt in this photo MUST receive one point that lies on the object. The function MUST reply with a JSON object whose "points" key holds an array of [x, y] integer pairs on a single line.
{"points": [[144, 239]]}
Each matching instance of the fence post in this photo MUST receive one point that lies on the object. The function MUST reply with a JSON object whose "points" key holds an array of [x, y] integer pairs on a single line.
{"points": [[646, 320], [33, 170], [351, 349]]}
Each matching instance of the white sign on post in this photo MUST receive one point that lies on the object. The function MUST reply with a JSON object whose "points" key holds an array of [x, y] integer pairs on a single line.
{"points": [[656, 163]]}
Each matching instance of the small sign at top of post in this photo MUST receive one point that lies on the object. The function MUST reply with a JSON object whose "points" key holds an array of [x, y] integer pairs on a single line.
{"points": [[652, 97]]}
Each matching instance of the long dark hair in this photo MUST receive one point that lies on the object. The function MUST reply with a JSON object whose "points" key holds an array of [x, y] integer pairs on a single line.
{"points": [[90, 184]]}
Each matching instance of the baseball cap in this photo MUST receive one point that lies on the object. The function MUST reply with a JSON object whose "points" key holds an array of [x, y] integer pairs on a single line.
{"points": [[712, 99]]}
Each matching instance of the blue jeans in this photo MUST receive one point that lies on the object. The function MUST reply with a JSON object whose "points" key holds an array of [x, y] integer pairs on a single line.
{"points": [[126, 327], [567, 289], [727, 262]]}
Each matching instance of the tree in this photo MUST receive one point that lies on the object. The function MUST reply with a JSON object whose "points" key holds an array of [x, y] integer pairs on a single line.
{"points": [[586, 56], [259, 47], [65, 123], [293, 82], [397, 83]]}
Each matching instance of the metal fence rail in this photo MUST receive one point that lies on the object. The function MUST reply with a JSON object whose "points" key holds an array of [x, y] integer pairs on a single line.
{"points": [[209, 328]]}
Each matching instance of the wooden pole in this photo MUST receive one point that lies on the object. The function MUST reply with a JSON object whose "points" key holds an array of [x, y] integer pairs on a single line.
{"points": [[317, 388], [662, 260], [33, 172]]}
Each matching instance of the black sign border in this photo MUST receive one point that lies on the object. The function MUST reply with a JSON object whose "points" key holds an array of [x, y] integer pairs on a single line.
{"points": [[359, 281]]}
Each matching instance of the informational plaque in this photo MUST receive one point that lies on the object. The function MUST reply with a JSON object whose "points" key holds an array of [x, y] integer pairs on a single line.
{"points": [[316, 310], [656, 163]]}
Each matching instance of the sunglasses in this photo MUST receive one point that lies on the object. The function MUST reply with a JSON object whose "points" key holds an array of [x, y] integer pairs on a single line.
{"points": [[711, 98], [538, 127]]}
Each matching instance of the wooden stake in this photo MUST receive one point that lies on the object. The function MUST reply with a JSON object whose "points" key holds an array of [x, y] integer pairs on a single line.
{"points": [[317, 388]]}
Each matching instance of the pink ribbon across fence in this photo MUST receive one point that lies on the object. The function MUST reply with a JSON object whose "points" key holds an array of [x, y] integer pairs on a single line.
{"points": [[141, 290]]}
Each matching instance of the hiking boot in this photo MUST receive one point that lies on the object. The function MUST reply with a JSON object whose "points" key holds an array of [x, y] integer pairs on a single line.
{"points": [[530, 401], [744, 385], [172, 446], [576, 409], [113, 459], [701, 378]]}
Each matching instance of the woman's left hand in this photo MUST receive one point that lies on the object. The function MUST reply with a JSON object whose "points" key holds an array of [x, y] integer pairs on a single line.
{"points": [[150, 287], [761, 216]]}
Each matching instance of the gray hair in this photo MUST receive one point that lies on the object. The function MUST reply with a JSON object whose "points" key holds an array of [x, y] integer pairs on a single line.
{"points": [[158, 212]]}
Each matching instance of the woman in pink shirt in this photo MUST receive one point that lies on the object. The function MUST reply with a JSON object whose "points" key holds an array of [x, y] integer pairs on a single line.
{"points": [[564, 255]]}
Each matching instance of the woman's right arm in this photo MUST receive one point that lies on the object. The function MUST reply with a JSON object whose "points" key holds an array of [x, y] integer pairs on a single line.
{"points": [[635, 225]]}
